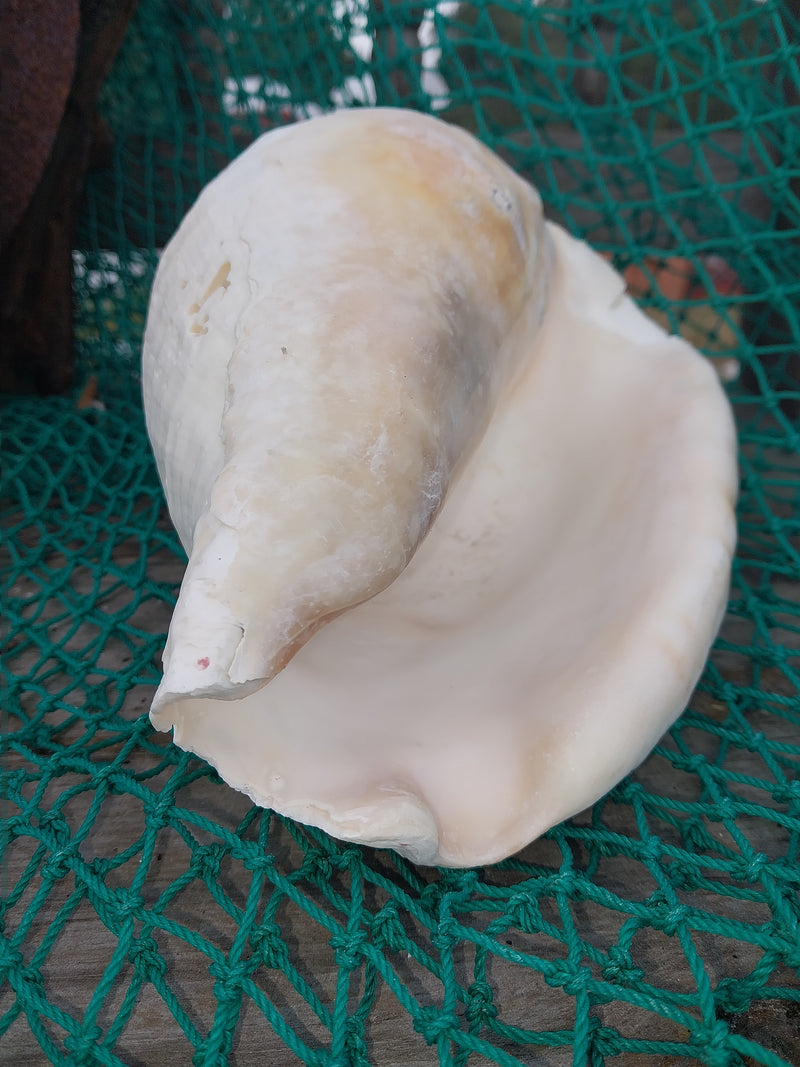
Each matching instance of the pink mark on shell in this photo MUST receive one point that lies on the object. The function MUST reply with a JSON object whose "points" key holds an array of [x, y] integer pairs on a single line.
{"points": [[203, 662]]}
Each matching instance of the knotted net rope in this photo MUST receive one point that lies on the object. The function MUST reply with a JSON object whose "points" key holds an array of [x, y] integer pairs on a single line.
{"points": [[150, 914]]}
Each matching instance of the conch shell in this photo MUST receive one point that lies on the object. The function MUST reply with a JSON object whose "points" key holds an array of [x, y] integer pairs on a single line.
{"points": [[441, 485]]}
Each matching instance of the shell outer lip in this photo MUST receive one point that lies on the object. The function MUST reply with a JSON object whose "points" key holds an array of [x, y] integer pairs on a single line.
{"points": [[604, 305]]}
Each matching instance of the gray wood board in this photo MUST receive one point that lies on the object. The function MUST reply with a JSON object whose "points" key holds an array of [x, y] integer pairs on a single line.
{"points": [[83, 948]]}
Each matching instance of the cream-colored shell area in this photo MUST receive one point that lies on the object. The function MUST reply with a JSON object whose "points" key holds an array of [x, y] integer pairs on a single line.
{"points": [[328, 334], [553, 622]]}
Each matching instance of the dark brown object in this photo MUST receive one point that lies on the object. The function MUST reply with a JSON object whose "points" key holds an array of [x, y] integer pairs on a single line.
{"points": [[395, 30], [766, 324], [56, 56], [40, 43]]}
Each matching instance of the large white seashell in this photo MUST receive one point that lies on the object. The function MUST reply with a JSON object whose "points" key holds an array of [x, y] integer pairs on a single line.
{"points": [[363, 333]]}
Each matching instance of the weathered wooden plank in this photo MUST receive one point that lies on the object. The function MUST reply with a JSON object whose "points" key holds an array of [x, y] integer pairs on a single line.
{"points": [[82, 952]]}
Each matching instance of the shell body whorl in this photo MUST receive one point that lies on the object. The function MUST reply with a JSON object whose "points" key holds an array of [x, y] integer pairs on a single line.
{"points": [[344, 285], [459, 517]]}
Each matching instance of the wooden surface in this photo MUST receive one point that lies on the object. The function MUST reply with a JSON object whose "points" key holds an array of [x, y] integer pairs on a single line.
{"points": [[84, 947]]}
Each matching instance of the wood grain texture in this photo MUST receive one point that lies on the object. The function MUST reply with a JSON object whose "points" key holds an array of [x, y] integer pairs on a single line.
{"points": [[105, 825]]}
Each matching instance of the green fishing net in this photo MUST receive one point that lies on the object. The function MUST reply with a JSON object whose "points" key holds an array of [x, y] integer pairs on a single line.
{"points": [[151, 915]]}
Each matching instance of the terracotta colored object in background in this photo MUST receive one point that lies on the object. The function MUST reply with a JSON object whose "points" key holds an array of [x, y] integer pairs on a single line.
{"points": [[702, 322]]}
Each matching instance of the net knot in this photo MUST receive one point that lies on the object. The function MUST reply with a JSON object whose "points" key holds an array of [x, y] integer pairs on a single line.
{"points": [[711, 1040], [626, 792], [435, 1025], [147, 959], [60, 863], [524, 913], [103, 772], [15, 826], [33, 979], [55, 825], [445, 935], [348, 949], [387, 930], [603, 1041], [460, 881], [572, 980], [348, 859], [126, 903], [723, 809], [316, 866], [569, 883], [229, 978], [755, 742], [732, 995], [480, 1005], [355, 1042], [12, 963], [430, 897], [207, 861], [683, 875], [157, 807], [786, 792], [693, 764], [621, 968], [788, 950], [82, 1043], [652, 850], [267, 941], [696, 836], [666, 915], [262, 861], [37, 736], [749, 869]]}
